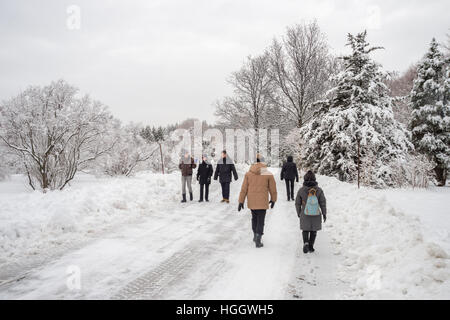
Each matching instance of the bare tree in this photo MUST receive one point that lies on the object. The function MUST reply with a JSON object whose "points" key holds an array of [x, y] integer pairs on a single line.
{"points": [[54, 132], [252, 90], [300, 67], [158, 136]]}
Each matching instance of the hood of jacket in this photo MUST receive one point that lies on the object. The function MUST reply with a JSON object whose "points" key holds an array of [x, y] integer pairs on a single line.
{"points": [[258, 168]]}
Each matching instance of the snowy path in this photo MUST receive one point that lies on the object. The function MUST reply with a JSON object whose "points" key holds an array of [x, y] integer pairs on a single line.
{"points": [[162, 249], [192, 251]]}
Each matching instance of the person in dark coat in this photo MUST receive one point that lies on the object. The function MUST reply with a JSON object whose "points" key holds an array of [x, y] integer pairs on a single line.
{"points": [[224, 169], [289, 172], [186, 165], [310, 224], [204, 173]]}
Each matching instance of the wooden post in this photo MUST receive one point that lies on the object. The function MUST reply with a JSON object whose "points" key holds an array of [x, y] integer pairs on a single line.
{"points": [[162, 160]]}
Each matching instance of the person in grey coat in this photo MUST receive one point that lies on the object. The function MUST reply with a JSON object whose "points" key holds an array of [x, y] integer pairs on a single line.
{"points": [[310, 224]]}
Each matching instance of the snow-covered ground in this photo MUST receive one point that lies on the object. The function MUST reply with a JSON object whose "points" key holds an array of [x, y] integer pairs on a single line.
{"points": [[130, 238]]}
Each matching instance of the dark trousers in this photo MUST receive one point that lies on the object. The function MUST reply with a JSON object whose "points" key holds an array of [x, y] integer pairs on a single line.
{"points": [[258, 217], [225, 190], [290, 188], [309, 237], [206, 187]]}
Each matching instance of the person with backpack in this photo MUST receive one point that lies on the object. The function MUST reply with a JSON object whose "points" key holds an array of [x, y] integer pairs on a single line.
{"points": [[224, 169], [204, 173], [257, 185], [310, 204], [289, 172], [186, 165]]}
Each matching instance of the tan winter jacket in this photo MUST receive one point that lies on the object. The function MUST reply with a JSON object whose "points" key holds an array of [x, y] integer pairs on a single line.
{"points": [[258, 183]]}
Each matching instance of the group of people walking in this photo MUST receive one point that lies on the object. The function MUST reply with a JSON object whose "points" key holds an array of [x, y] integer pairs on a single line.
{"points": [[225, 171], [258, 185]]}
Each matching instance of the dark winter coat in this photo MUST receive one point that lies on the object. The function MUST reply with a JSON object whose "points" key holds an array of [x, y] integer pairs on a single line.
{"points": [[204, 172], [257, 185], [310, 223], [186, 168], [224, 171], [289, 170]]}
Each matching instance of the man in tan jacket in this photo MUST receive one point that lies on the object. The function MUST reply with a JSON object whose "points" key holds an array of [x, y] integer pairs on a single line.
{"points": [[257, 185]]}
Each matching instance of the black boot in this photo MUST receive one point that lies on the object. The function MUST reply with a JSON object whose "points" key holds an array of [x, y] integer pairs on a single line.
{"points": [[184, 198], [258, 242], [191, 196], [305, 235], [312, 238], [289, 199], [254, 237]]}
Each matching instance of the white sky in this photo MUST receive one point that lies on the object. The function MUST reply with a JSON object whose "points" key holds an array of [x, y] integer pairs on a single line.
{"points": [[161, 61]]}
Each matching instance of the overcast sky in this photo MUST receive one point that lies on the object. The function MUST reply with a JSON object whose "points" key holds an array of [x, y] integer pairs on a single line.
{"points": [[161, 61]]}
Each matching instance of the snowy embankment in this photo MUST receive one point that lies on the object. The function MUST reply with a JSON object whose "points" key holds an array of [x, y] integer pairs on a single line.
{"points": [[375, 244], [386, 254], [33, 223]]}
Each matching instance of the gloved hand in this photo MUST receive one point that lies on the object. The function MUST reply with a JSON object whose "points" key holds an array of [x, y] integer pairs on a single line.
{"points": [[241, 206], [324, 218], [296, 180], [271, 204], [209, 181], [282, 178], [198, 178], [235, 179]]}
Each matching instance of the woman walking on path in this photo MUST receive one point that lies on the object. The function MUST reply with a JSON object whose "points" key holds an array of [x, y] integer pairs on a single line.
{"points": [[257, 185], [289, 172], [186, 165], [225, 167], [311, 207], [204, 173]]}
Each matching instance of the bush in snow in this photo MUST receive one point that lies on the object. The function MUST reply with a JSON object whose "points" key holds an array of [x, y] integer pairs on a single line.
{"points": [[54, 133], [130, 150], [356, 124], [430, 123]]}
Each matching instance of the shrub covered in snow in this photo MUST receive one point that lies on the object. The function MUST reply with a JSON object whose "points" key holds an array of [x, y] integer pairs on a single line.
{"points": [[54, 132]]}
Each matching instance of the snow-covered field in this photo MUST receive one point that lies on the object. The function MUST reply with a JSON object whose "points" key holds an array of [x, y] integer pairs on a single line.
{"points": [[130, 238]]}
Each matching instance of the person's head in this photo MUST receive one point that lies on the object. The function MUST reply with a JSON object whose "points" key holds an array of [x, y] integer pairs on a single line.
{"points": [[186, 154], [224, 153], [204, 157], [310, 176], [290, 159]]}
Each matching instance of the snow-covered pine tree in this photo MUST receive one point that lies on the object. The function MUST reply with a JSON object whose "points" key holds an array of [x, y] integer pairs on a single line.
{"points": [[359, 112], [430, 123]]}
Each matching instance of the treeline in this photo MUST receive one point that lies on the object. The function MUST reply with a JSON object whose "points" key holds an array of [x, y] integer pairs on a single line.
{"points": [[343, 116]]}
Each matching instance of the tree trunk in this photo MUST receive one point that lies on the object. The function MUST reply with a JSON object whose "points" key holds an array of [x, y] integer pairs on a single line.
{"points": [[358, 164], [441, 176]]}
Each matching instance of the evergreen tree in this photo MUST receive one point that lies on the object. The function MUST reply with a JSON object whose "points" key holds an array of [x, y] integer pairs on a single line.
{"points": [[430, 123], [356, 127]]}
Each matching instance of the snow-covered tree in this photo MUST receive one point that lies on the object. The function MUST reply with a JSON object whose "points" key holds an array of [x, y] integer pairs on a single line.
{"points": [[54, 132], [300, 69], [357, 124], [430, 123], [130, 150], [156, 135], [252, 89]]}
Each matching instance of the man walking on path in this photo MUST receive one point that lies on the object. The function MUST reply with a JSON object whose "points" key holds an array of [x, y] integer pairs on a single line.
{"points": [[204, 173], [225, 167], [186, 165], [289, 172], [257, 185]]}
